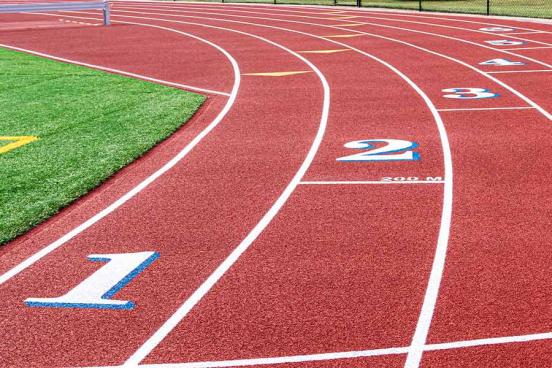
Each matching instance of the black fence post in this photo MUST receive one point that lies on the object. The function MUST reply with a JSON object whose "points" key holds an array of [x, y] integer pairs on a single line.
{"points": [[488, 7], [420, 5], [359, 3]]}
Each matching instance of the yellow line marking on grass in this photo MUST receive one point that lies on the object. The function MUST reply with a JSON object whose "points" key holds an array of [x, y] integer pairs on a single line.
{"points": [[277, 74], [322, 51], [17, 142], [343, 36]]}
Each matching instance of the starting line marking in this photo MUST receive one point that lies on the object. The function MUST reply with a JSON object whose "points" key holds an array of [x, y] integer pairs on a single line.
{"points": [[489, 108], [521, 71], [356, 354]]}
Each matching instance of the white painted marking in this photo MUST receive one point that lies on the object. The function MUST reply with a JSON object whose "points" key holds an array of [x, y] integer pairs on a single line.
{"points": [[468, 93], [97, 289], [521, 71], [282, 360], [501, 62], [393, 150], [489, 108], [496, 29], [116, 71], [374, 182], [146, 182], [504, 42], [489, 341]]}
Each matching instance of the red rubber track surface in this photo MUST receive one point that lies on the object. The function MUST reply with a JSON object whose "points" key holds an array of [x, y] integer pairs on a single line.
{"points": [[339, 275]]}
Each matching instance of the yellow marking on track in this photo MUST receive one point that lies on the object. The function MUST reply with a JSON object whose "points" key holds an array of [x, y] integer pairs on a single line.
{"points": [[75, 22], [17, 142], [322, 51], [343, 36], [277, 74]]}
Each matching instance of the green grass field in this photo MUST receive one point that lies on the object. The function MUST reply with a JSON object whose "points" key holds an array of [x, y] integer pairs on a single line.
{"points": [[89, 124]]}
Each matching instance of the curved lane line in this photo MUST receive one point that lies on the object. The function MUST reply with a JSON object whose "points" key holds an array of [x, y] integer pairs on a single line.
{"points": [[118, 71], [146, 182], [432, 291], [485, 74]]}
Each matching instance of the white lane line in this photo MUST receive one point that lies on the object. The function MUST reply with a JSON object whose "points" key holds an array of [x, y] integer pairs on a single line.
{"points": [[146, 182], [489, 341], [489, 108], [501, 83], [523, 48], [117, 71], [352, 354], [520, 71], [374, 182], [284, 359], [206, 286]]}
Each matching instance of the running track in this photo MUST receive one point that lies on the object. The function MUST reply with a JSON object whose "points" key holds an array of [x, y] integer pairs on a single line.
{"points": [[271, 251]]}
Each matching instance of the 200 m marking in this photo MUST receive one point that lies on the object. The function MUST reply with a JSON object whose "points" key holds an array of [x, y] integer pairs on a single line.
{"points": [[97, 290], [412, 178], [393, 150]]}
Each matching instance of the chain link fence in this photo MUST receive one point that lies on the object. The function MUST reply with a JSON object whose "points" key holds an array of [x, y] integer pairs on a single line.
{"points": [[518, 8]]}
